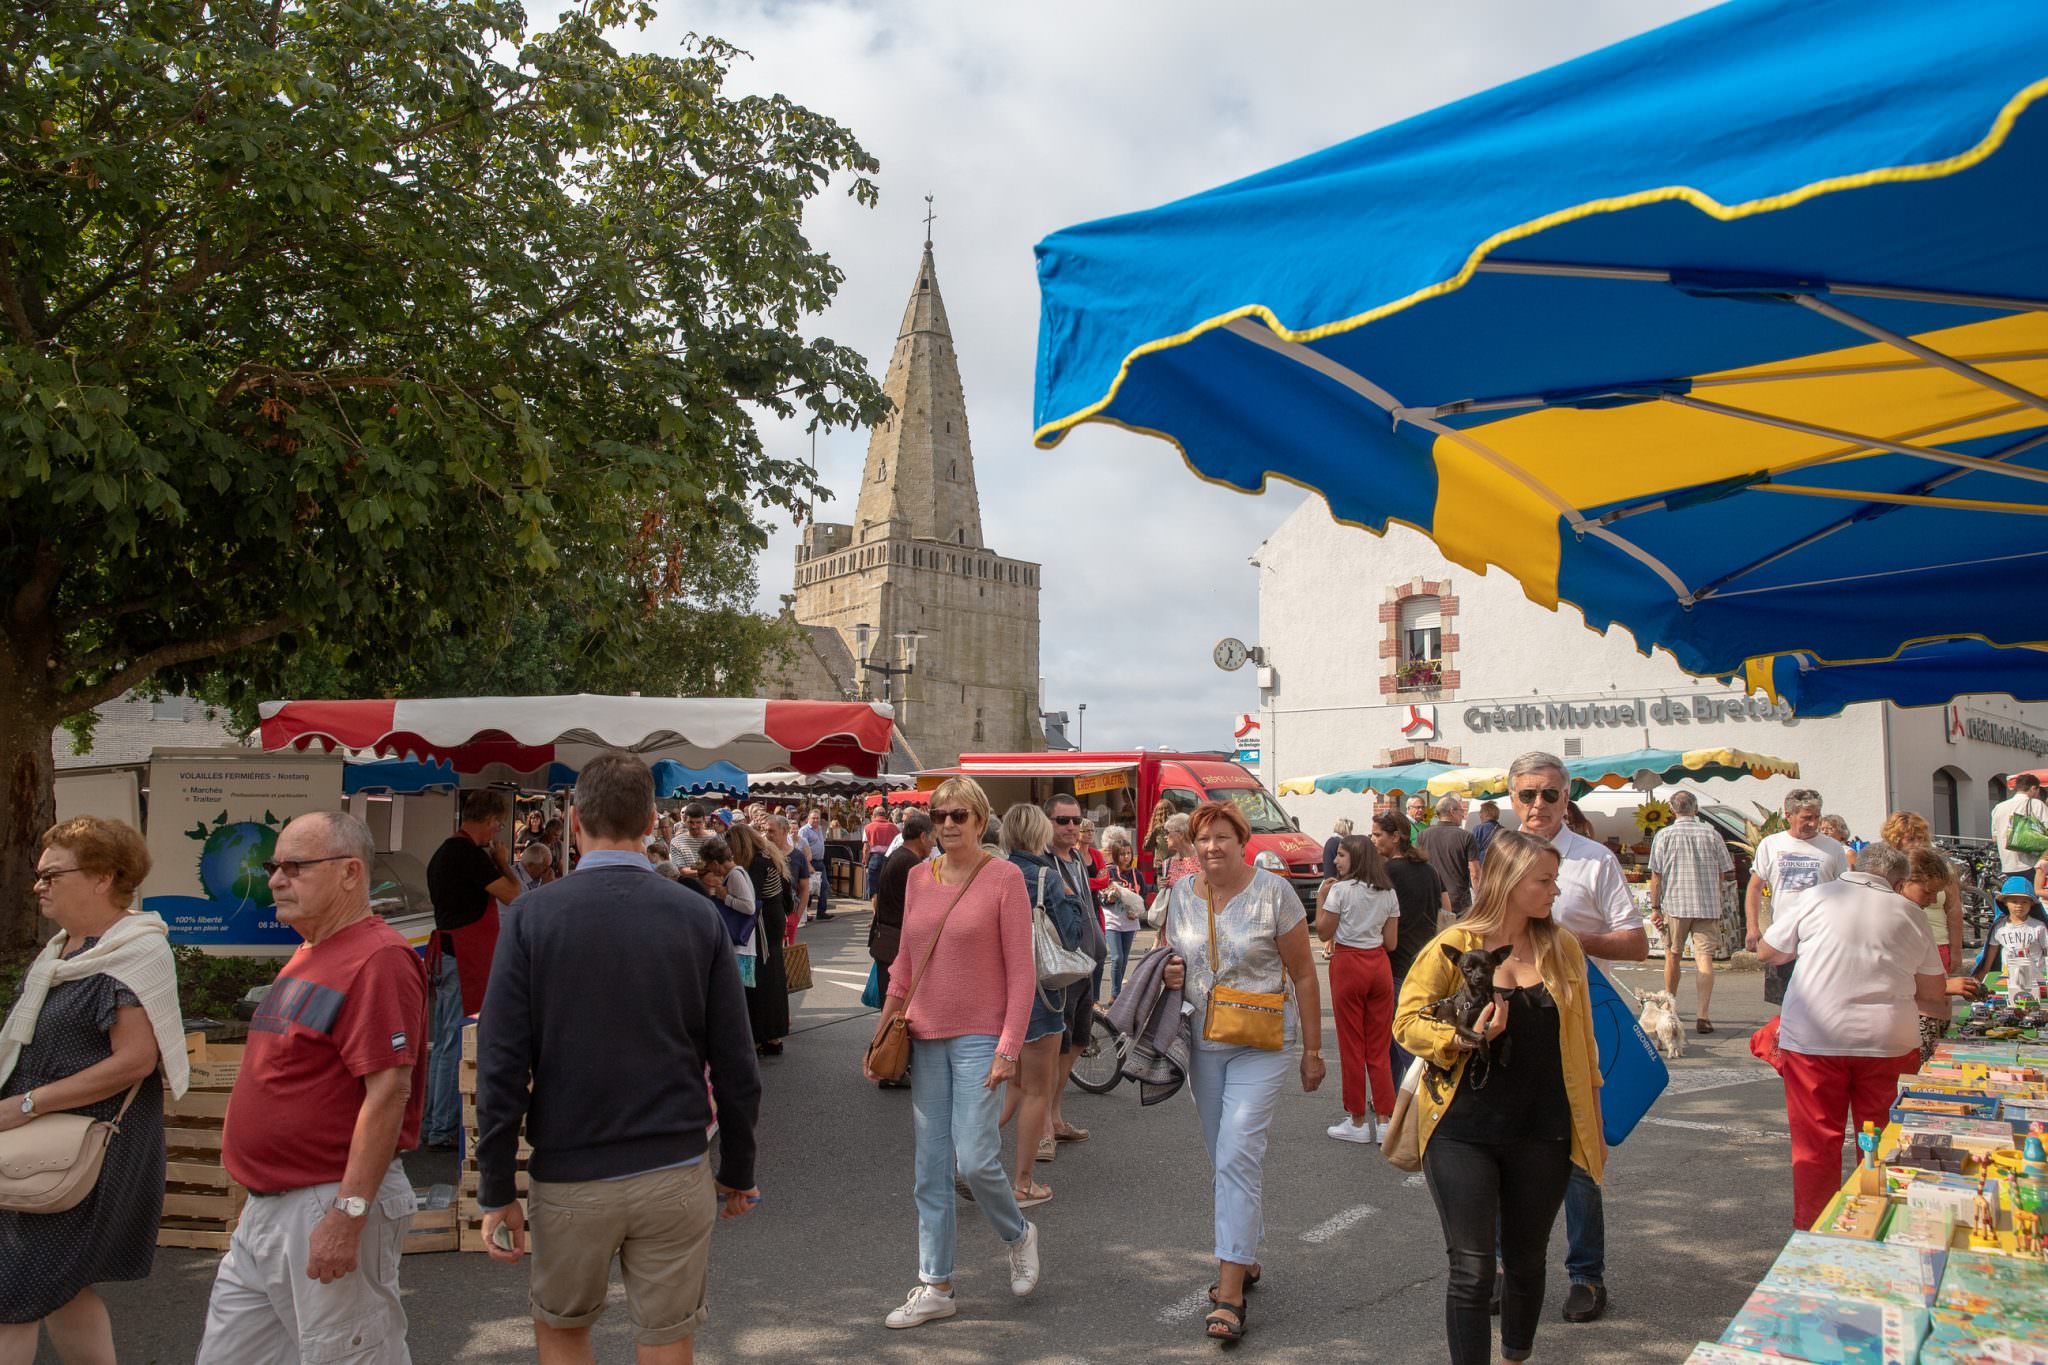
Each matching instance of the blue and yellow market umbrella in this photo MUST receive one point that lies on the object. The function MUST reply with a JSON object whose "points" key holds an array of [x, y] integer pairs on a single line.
{"points": [[1929, 674], [1732, 334], [1620, 770]]}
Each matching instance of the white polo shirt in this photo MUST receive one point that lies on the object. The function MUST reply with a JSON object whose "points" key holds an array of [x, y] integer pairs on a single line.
{"points": [[1859, 945], [1592, 895]]}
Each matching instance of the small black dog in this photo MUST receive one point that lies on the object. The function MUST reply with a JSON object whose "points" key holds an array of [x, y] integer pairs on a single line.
{"points": [[1461, 1010]]}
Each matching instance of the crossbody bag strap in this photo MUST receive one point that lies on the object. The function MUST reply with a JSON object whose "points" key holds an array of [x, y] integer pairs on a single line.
{"points": [[918, 977], [1215, 964], [122, 1112]]}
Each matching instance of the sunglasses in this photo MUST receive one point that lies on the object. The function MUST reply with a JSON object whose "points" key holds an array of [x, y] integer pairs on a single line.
{"points": [[293, 867], [1527, 796], [1069, 819], [952, 817]]}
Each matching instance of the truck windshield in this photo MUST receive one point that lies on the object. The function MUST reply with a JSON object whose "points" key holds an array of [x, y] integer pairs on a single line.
{"points": [[1260, 811]]}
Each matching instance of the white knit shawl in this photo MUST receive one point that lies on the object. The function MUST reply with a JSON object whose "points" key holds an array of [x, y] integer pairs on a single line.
{"points": [[136, 952]]}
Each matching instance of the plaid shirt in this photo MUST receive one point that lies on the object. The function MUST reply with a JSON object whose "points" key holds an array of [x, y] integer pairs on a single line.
{"points": [[1690, 857]]}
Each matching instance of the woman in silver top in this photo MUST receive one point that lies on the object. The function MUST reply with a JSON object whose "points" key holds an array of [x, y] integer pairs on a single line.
{"points": [[1260, 933]]}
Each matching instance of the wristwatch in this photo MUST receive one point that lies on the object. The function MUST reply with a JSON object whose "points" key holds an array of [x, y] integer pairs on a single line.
{"points": [[354, 1205], [28, 1102]]}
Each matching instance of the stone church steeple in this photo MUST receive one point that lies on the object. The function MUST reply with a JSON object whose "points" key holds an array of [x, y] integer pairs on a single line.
{"points": [[919, 480], [912, 563]]}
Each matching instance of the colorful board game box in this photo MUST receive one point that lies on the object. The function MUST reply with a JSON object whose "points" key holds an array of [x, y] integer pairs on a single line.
{"points": [[1714, 1353], [2009, 1288], [1870, 1270], [1827, 1329]]}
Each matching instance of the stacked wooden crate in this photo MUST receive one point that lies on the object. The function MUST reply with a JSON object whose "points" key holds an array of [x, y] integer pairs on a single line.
{"points": [[201, 1203], [434, 1227], [471, 1224]]}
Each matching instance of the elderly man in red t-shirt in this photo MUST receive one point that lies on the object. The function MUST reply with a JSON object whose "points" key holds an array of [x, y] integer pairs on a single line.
{"points": [[328, 1094]]}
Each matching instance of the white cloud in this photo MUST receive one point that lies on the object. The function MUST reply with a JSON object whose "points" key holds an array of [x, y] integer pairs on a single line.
{"points": [[1023, 118]]}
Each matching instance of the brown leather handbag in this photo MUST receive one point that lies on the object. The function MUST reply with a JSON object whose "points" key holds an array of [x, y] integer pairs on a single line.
{"points": [[51, 1163], [888, 1056]]}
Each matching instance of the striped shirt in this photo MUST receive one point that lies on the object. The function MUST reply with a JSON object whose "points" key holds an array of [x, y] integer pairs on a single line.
{"points": [[1690, 858]]}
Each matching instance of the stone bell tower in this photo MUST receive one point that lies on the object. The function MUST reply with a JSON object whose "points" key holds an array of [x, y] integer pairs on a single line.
{"points": [[913, 562]]}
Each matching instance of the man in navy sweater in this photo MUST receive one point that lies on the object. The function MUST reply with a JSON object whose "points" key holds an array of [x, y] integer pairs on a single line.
{"points": [[611, 991]]}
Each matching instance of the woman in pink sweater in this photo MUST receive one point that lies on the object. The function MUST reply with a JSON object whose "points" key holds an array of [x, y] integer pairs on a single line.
{"points": [[966, 930]]}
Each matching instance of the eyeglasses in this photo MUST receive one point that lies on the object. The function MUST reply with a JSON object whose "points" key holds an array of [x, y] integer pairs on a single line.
{"points": [[48, 877], [951, 817], [292, 867], [1069, 819], [1527, 796]]}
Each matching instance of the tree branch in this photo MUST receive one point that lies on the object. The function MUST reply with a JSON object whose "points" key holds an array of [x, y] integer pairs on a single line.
{"points": [[10, 297], [33, 597], [166, 656]]}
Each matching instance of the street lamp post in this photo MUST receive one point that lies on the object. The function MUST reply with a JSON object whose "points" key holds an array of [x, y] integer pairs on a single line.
{"points": [[863, 648], [1081, 728]]}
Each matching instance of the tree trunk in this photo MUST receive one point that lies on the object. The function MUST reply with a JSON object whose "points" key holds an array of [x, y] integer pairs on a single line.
{"points": [[28, 806]]}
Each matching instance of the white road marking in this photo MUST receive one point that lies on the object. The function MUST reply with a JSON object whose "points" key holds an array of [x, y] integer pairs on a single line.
{"points": [[1694, 1079], [861, 977], [1416, 1181], [1187, 1306], [1330, 1227]]}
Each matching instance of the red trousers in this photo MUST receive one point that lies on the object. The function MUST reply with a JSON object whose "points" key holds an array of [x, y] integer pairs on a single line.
{"points": [[1362, 996], [1820, 1092]]}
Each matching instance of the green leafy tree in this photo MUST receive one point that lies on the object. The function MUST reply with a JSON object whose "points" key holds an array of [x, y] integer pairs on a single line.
{"points": [[338, 328]]}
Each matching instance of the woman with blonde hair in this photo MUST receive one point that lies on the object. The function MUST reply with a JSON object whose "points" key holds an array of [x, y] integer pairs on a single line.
{"points": [[1027, 831], [95, 1030], [964, 979], [1943, 904], [1499, 1140]]}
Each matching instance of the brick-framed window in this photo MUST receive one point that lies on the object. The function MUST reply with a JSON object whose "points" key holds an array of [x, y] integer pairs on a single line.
{"points": [[1419, 642]]}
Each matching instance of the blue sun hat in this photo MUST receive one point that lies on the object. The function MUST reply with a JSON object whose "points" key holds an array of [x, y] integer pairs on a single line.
{"points": [[2020, 885]]}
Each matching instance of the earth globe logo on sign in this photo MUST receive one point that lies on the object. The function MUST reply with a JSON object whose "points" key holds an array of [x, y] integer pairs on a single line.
{"points": [[232, 855]]}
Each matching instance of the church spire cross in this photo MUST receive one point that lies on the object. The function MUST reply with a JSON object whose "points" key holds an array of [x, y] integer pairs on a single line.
{"points": [[929, 219]]}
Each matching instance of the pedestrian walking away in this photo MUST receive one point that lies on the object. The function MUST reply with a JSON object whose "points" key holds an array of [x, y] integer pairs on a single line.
{"points": [[1424, 904], [1452, 852], [96, 1030], [963, 981], [1505, 1122], [1594, 903], [1029, 835], [1689, 864], [614, 994], [329, 1093], [1239, 941]]}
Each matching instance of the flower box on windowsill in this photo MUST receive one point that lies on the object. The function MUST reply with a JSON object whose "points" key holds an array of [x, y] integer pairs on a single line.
{"points": [[1419, 675]]}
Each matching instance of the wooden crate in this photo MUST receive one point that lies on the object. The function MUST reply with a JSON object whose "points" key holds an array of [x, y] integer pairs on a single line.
{"points": [[437, 1225], [472, 1179], [214, 1066], [202, 1204]]}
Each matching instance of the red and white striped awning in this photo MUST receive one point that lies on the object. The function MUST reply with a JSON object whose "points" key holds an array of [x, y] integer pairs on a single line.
{"points": [[525, 733]]}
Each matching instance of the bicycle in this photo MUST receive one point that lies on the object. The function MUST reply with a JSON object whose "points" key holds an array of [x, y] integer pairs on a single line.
{"points": [[1980, 875], [1101, 1063]]}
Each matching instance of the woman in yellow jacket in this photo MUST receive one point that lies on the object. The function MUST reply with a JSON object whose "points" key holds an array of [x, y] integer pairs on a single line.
{"points": [[1499, 1136]]}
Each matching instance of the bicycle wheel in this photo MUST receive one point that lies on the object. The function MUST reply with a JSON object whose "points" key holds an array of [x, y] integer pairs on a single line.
{"points": [[1101, 1064]]}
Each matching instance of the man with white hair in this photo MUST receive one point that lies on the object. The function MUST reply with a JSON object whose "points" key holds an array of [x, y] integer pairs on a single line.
{"points": [[1851, 1023], [1451, 852], [1689, 863], [1593, 901], [1789, 864]]}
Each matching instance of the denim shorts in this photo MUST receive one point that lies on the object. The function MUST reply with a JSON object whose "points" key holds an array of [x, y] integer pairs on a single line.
{"points": [[1046, 1021]]}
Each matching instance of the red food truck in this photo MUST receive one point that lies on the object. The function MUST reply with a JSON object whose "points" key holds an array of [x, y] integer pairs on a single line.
{"points": [[1130, 783]]}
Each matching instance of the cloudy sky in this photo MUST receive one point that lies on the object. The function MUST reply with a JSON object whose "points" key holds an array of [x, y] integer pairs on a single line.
{"points": [[1021, 118]]}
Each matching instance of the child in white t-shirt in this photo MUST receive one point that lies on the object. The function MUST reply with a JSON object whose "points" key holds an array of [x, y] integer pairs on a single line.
{"points": [[2022, 944]]}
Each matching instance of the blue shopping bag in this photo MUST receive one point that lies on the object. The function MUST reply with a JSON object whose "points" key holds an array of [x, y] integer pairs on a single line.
{"points": [[1633, 1070], [872, 996]]}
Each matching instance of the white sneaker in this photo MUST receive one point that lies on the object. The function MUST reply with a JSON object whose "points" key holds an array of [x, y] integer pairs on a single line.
{"points": [[924, 1304], [1024, 1262], [1344, 1130]]}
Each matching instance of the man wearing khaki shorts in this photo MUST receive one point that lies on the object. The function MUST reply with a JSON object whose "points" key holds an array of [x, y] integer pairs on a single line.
{"points": [[612, 992], [1689, 863]]}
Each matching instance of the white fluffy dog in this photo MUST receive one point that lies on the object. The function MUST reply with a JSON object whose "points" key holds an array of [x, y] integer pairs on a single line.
{"points": [[1660, 1020]]}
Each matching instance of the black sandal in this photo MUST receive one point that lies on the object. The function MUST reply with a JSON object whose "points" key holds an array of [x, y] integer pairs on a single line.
{"points": [[1251, 1281], [1219, 1329]]}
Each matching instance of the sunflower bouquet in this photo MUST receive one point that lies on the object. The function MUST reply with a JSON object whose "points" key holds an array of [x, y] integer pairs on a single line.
{"points": [[1652, 816]]}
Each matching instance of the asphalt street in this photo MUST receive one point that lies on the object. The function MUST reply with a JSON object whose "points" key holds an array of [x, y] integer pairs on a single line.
{"points": [[1698, 1203]]}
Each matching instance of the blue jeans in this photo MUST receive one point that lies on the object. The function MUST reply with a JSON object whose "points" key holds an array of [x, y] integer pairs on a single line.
{"points": [[956, 1116], [442, 1119], [1120, 941], [1235, 1091], [1585, 1230]]}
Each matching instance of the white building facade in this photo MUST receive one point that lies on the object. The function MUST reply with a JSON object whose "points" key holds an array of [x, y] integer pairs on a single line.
{"points": [[1381, 651]]}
